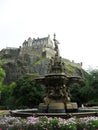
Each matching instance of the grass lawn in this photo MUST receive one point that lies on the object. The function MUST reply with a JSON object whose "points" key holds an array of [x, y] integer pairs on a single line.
{"points": [[4, 112]]}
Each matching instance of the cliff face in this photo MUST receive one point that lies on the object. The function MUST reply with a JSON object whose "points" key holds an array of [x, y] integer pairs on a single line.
{"points": [[33, 57], [16, 65]]}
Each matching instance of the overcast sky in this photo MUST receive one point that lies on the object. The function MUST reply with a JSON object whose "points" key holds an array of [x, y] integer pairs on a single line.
{"points": [[75, 23]]}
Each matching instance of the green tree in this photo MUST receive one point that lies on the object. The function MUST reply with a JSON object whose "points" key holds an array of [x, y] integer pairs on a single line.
{"points": [[2, 76], [5, 90], [87, 92], [94, 84], [27, 93], [7, 97], [82, 92]]}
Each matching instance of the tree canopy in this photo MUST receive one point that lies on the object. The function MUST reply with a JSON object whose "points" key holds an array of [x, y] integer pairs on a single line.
{"points": [[27, 93]]}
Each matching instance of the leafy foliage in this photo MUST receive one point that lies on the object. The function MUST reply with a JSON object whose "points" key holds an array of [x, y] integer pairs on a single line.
{"points": [[5, 90], [6, 96], [86, 93], [27, 93]]}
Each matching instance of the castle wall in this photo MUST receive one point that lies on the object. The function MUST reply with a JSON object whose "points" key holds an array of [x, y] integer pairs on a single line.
{"points": [[38, 47]]}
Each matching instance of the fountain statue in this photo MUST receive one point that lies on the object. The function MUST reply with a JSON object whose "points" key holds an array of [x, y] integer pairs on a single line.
{"points": [[57, 99]]}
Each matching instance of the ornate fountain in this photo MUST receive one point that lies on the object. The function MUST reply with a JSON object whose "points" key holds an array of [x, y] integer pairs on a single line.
{"points": [[57, 99]]}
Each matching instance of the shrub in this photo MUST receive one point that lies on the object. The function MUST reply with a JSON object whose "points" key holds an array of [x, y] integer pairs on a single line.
{"points": [[48, 123]]}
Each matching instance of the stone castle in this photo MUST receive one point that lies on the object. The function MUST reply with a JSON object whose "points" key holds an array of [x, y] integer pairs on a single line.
{"points": [[32, 57], [40, 47], [36, 47]]}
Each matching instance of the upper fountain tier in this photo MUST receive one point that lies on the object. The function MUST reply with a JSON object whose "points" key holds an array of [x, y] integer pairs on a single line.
{"points": [[56, 65]]}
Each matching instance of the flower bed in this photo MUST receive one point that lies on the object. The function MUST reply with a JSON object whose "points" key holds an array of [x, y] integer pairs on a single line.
{"points": [[48, 123]]}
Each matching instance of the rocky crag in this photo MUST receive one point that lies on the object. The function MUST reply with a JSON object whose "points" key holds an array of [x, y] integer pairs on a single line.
{"points": [[33, 57]]}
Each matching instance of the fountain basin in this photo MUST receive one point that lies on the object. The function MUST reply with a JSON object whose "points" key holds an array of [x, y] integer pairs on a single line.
{"points": [[34, 112]]}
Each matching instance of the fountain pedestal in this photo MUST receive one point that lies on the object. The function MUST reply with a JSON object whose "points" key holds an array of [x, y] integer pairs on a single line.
{"points": [[58, 107], [71, 107]]}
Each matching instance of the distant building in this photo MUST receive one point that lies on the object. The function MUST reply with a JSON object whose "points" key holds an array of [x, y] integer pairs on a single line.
{"points": [[41, 47]]}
